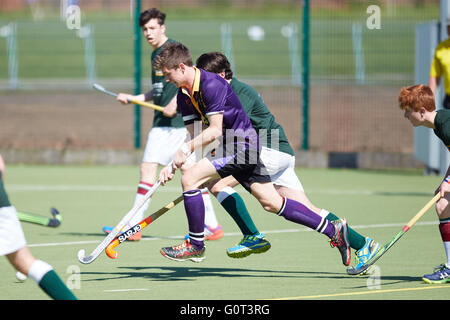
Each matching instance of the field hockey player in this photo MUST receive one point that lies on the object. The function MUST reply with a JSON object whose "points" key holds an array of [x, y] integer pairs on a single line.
{"points": [[278, 158], [207, 97], [418, 104], [168, 132], [13, 246]]}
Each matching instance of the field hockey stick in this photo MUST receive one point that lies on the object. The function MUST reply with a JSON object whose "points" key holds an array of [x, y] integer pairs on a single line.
{"points": [[110, 252], [387, 246], [38, 219], [110, 237], [141, 103]]}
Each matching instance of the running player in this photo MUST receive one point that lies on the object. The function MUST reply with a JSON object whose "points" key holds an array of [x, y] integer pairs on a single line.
{"points": [[168, 131], [419, 108], [277, 156], [208, 97], [13, 246]]}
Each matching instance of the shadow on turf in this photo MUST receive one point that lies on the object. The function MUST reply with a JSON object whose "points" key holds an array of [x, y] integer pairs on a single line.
{"points": [[392, 280], [191, 273], [84, 234]]}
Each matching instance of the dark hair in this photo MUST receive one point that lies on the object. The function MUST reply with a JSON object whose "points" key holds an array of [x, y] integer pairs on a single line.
{"points": [[215, 62], [152, 13], [172, 55]]}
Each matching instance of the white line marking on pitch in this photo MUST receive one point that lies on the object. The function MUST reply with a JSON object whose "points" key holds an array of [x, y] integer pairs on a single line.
{"points": [[118, 188], [125, 290], [334, 295], [231, 234], [99, 188]]}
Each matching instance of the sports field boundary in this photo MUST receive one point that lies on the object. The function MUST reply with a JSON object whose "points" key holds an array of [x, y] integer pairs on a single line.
{"points": [[361, 293], [309, 159], [233, 234]]}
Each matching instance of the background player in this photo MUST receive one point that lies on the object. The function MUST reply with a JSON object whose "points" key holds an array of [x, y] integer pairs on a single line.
{"points": [[419, 108], [207, 97], [13, 246], [277, 156], [168, 131]]}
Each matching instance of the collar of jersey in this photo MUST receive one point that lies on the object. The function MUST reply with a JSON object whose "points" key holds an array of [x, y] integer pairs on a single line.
{"points": [[195, 88], [196, 85]]}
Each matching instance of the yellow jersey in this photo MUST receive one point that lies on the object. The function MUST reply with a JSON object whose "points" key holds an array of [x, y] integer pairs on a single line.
{"points": [[440, 66]]}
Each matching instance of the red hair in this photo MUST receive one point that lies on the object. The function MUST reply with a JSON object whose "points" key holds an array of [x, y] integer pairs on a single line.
{"points": [[416, 97]]}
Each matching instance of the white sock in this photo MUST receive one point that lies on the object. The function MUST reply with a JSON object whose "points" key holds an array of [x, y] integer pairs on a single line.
{"points": [[447, 252], [324, 213], [224, 193], [38, 270], [444, 229], [210, 215], [140, 195]]}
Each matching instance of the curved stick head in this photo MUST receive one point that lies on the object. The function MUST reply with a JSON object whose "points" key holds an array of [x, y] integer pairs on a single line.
{"points": [[110, 252], [83, 259], [98, 87], [57, 218], [81, 255]]}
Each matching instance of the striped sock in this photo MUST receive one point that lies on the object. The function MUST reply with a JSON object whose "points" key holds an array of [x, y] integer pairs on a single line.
{"points": [[444, 228], [232, 202], [296, 212], [210, 215], [143, 188], [195, 212]]}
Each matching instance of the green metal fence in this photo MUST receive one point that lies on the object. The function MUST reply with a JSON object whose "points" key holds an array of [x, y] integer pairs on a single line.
{"points": [[354, 75]]}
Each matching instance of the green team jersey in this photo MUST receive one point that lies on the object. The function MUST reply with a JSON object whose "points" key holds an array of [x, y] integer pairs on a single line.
{"points": [[4, 201], [260, 116], [163, 92], [442, 124]]}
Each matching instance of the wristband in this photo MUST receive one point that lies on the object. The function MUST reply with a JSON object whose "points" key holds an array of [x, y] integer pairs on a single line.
{"points": [[185, 149]]}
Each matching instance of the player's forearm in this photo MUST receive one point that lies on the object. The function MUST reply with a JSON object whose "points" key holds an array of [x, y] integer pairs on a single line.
{"points": [[170, 110], [433, 83], [148, 95], [2, 167], [139, 97]]}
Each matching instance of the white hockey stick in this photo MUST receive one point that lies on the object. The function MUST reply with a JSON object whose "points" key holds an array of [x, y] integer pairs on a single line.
{"points": [[141, 103], [110, 237]]}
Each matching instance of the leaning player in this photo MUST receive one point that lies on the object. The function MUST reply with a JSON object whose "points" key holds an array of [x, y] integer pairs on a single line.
{"points": [[419, 108], [207, 97], [278, 158], [168, 132], [13, 245]]}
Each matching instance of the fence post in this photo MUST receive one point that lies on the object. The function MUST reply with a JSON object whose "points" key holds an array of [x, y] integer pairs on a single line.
{"points": [[9, 32], [227, 43], [137, 73], [86, 33], [305, 73]]}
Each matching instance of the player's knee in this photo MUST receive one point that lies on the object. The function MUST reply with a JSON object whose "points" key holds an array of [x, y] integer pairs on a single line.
{"points": [[188, 182], [148, 172], [185, 179], [214, 188]]}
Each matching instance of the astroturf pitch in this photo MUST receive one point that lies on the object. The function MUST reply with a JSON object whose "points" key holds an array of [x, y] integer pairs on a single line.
{"points": [[300, 264]]}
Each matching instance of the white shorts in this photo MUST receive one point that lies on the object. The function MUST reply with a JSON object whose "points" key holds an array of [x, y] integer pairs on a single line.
{"points": [[11, 233], [163, 143], [280, 166]]}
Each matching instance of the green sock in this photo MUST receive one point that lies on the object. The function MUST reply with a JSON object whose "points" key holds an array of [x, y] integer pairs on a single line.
{"points": [[235, 206], [55, 288], [357, 241]]}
